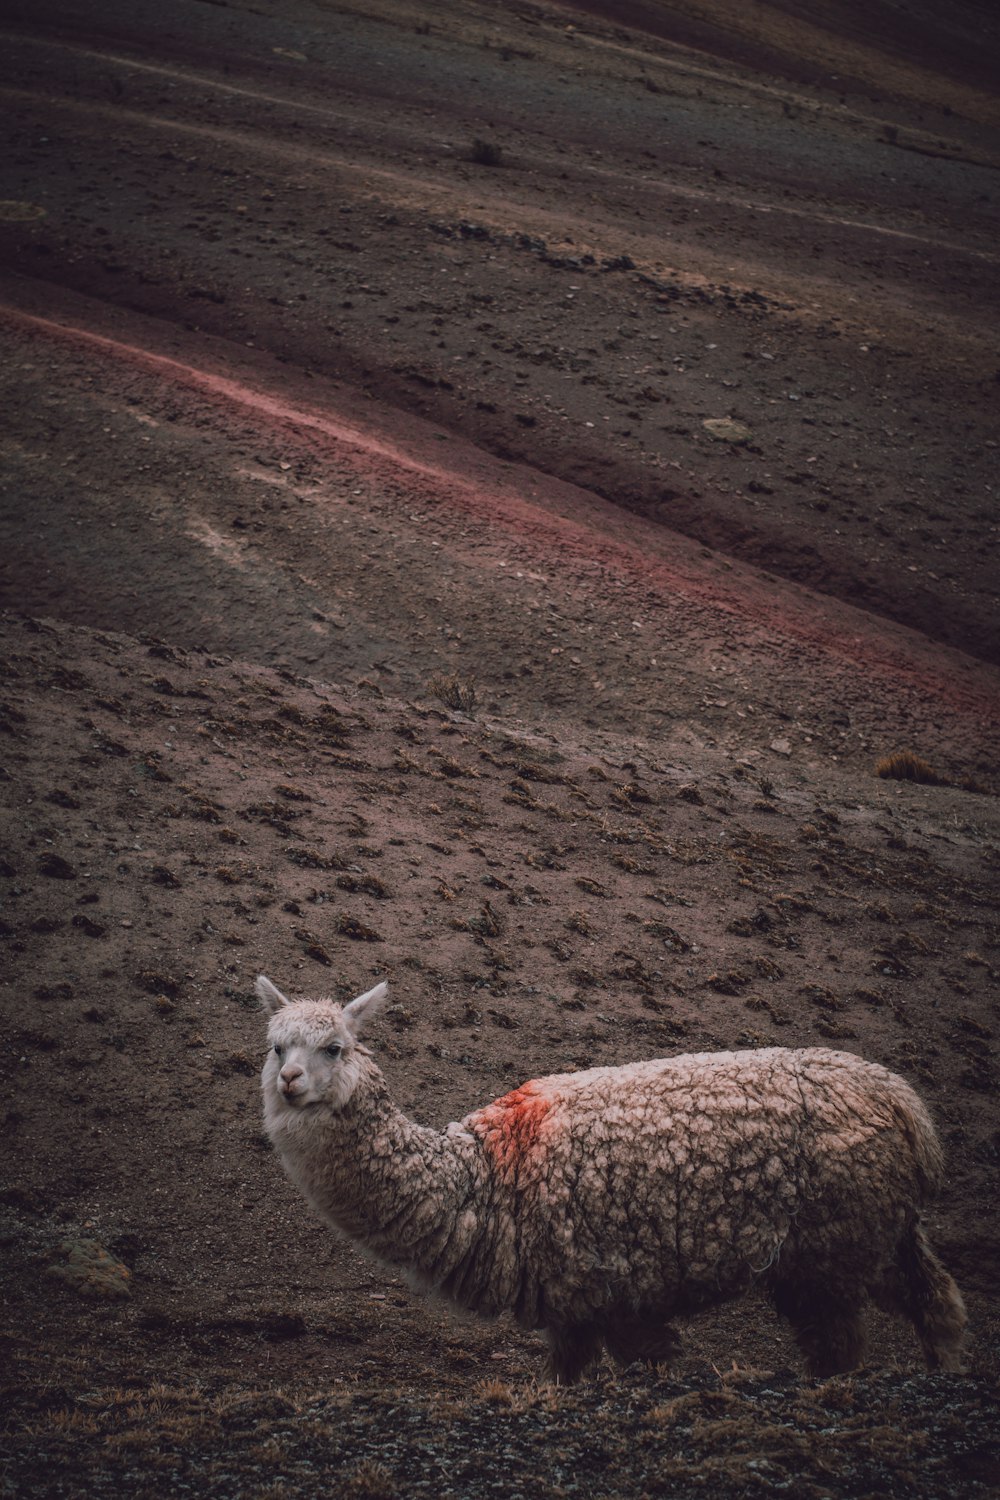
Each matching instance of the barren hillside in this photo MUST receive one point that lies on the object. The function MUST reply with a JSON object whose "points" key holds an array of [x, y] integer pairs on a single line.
{"points": [[483, 488]]}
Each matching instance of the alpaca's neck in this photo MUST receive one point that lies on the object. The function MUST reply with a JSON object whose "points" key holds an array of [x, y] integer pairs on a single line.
{"points": [[402, 1190]]}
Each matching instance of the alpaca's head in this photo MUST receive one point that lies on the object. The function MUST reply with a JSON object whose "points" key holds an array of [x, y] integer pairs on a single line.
{"points": [[315, 1057]]}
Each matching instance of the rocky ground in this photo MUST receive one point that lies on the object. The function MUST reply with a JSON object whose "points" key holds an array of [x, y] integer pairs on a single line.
{"points": [[482, 494]]}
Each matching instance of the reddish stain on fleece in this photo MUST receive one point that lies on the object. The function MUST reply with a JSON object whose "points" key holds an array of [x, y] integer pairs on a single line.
{"points": [[509, 1127]]}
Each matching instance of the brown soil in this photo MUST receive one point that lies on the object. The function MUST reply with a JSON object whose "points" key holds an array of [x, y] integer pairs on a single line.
{"points": [[378, 602]]}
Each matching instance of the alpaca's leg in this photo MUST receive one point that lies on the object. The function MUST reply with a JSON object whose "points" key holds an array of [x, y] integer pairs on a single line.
{"points": [[642, 1338], [827, 1323], [571, 1348]]}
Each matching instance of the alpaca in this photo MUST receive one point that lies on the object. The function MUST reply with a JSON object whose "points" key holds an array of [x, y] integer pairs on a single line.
{"points": [[600, 1205]]}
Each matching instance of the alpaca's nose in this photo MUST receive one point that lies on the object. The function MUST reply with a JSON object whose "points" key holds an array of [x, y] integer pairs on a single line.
{"points": [[290, 1073]]}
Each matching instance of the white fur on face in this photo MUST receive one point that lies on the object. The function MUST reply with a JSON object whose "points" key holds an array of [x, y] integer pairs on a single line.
{"points": [[312, 1059]]}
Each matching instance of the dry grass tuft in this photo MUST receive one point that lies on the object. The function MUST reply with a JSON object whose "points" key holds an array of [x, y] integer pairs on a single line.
{"points": [[495, 1393], [454, 692], [904, 765], [371, 1480], [531, 1395], [486, 153]]}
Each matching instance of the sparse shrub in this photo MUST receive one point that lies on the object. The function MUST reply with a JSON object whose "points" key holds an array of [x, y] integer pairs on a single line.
{"points": [[454, 692], [486, 153], [905, 766], [352, 928], [370, 885], [495, 1392], [370, 1481]]}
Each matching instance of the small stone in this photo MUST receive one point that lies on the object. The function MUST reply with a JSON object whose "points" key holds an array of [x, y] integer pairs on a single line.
{"points": [[16, 211], [781, 747], [726, 430], [91, 1271]]}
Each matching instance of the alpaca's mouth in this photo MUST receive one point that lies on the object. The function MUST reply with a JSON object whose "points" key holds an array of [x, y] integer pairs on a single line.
{"points": [[298, 1101]]}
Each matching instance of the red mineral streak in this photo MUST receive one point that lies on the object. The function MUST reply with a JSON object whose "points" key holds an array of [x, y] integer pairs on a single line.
{"points": [[509, 1127], [663, 566]]}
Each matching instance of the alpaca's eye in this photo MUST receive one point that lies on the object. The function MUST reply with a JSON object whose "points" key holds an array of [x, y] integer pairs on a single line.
{"points": [[278, 1048], [334, 1049]]}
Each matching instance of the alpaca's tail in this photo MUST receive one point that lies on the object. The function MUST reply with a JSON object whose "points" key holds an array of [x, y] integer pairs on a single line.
{"points": [[916, 1127], [929, 1297]]}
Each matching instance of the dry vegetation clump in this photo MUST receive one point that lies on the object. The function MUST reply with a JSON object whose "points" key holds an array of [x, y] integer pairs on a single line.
{"points": [[485, 153], [454, 692], [904, 765], [875, 1433]]}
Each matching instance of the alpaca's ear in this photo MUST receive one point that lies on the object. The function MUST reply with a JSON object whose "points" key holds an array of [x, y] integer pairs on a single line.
{"points": [[270, 998], [365, 1008]]}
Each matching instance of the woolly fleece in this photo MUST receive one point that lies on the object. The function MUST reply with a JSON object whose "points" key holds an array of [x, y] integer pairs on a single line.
{"points": [[600, 1204]]}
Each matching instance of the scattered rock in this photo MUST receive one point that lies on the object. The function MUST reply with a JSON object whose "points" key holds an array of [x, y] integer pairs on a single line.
{"points": [[726, 430], [91, 1271]]}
